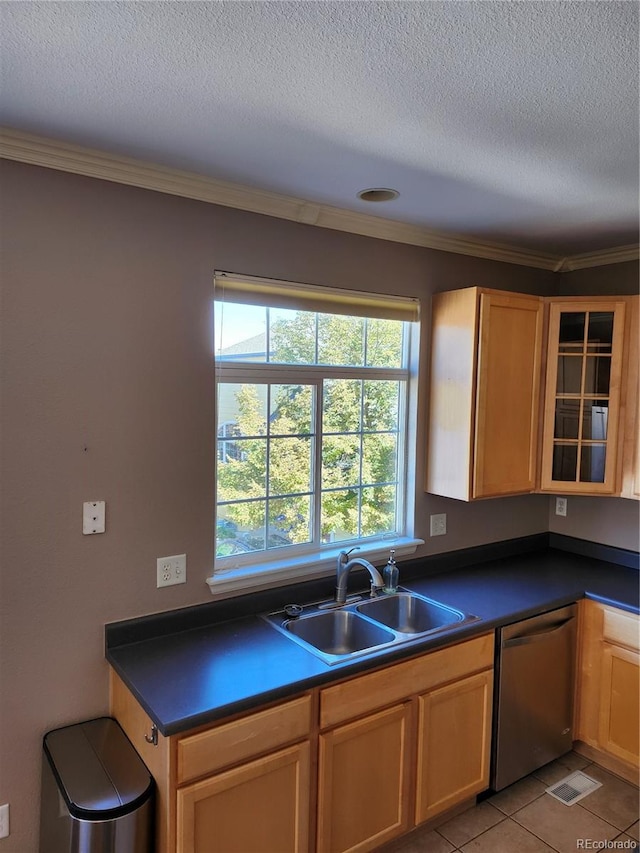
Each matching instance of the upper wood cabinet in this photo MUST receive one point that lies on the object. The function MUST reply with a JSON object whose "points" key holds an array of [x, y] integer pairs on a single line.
{"points": [[582, 397], [630, 416], [485, 375]]}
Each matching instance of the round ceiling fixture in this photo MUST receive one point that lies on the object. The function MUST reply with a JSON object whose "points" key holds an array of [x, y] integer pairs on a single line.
{"points": [[378, 194]]}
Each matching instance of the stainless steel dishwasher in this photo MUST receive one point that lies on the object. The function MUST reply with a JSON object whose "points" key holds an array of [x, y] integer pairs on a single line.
{"points": [[533, 720]]}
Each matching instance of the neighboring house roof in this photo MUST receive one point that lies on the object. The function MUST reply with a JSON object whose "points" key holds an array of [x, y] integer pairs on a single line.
{"points": [[253, 346]]}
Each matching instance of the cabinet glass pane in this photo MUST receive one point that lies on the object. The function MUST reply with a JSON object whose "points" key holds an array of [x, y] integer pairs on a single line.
{"points": [[595, 414], [592, 460], [565, 462], [567, 418], [597, 375], [571, 331], [569, 374], [600, 331]]}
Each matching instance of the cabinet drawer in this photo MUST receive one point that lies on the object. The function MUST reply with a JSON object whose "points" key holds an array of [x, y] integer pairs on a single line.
{"points": [[231, 743], [392, 684], [621, 628]]}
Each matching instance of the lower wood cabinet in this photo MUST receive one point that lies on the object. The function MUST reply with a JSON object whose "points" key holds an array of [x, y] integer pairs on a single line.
{"points": [[403, 744], [363, 773], [608, 706], [454, 743], [342, 768], [259, 807], [619, 728]]}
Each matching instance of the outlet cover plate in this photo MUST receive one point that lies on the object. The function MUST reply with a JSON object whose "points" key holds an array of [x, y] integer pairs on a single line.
{"points": [[561, 506], [438, 524], [171, 570]]}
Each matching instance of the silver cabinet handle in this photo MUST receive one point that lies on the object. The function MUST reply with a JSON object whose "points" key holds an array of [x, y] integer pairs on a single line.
{"points": [[153, 737]]}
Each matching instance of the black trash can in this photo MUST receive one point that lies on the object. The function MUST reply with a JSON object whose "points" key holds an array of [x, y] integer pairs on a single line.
{"points": [[97, 794]]}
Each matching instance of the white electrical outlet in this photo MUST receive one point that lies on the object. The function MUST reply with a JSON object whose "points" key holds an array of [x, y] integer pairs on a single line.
{"points": [[438, 524], [561, 506], [93, 517], [172, 570], [4, 821]]}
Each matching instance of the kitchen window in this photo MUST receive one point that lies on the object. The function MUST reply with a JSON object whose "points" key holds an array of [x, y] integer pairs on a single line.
{"points": [[314, 407]]}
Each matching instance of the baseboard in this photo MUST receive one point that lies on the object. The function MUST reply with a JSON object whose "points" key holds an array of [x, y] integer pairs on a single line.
{"points": [[609, 762]]}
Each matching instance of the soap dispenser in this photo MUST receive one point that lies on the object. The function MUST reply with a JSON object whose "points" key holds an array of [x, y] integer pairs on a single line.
{"points": [[390, 574]]}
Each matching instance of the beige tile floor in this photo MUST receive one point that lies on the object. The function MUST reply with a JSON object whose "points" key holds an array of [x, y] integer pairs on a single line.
{"points": [[524, 819]]}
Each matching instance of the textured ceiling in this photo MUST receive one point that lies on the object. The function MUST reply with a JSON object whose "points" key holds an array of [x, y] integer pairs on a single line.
{"points": [[515, 122]]}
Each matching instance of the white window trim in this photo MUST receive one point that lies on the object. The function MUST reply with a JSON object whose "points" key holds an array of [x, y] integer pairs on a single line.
{"points": [[293, 568], [276, 573]]}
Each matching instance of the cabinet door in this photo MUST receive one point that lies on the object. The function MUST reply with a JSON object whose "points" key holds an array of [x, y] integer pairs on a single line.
{"points": [[584, 373], [454, 740], [631, 402], [619, 710], [483, 393], [259, 807], [363, 782], [506, 423]]}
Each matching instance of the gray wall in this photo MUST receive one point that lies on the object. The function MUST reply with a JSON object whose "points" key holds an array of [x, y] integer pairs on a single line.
{"points": [[610, 521], [108, 393], [618, 279]]}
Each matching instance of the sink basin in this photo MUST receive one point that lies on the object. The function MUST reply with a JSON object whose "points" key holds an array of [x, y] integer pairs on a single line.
{"points": [[363, 626], [339, 632], [410, 614]]}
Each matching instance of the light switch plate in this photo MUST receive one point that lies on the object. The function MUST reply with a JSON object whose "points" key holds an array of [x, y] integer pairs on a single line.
{"points": [[93, 517], [4, 821]]}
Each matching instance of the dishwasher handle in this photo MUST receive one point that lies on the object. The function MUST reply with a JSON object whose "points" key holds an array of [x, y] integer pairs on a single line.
{"points": [[537, 636]]}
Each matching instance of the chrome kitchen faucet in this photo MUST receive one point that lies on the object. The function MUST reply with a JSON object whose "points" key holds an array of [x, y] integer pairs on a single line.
{"points": [[342, 573]]}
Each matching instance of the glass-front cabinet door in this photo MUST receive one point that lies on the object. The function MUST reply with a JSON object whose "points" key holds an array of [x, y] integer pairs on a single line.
{"points": [[582, 397]]}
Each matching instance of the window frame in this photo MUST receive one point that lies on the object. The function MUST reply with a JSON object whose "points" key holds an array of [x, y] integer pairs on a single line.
{"points": [[310, 560]]}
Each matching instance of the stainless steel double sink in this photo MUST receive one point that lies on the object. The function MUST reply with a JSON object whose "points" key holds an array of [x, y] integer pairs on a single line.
{"points": [[363, 625]]}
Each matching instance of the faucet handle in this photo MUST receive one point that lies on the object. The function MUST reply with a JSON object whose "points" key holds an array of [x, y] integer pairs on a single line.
{"points": [[343, 556]]}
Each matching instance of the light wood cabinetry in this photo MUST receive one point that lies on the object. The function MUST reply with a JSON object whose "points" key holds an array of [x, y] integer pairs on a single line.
{"points": [[607, 702], [427, 718], [582, 396], [619, 725], [631, 405], [496, 429], [454, 734], [484, 392], [242, 786], [331, 770], [363, 772], [261, 806], [258, 806]]}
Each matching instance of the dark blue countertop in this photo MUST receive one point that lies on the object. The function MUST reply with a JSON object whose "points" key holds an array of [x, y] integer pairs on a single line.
{"points": [[200, 664]]}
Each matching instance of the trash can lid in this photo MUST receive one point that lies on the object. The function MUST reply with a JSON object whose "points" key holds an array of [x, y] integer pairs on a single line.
{"points": [[99, 773]]}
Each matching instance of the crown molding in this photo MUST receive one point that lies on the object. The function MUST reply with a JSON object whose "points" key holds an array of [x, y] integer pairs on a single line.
{"points": [[63, 156], [619, 255]]}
